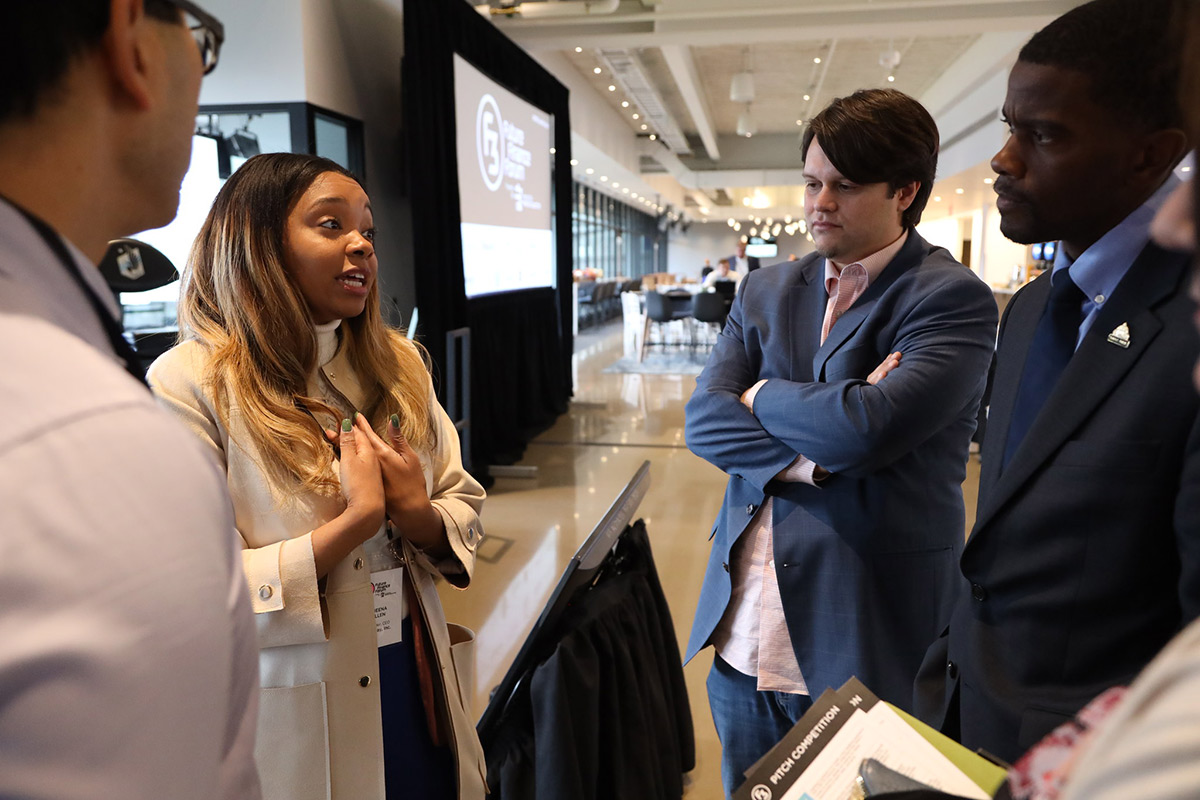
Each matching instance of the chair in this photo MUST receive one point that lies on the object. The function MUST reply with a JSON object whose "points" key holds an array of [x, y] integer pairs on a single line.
{"points": [[586, 292], [131, 266], [710, 308], [659, 309]]}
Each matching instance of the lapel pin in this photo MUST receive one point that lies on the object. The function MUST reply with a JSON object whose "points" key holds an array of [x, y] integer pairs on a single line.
{"points": [[1120, 335]]}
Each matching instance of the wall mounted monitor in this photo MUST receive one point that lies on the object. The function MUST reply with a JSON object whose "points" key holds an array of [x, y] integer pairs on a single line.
{"points": [[504, 186], [760, 247]]}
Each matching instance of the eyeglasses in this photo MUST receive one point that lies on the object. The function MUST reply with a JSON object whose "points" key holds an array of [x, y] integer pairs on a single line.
{"points": [[206, 29]]}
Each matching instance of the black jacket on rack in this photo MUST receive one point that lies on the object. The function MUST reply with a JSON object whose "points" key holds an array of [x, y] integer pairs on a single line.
{"points": [[605, 712]]}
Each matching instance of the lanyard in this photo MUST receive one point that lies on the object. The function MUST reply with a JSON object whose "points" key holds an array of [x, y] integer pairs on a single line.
{"points": [[112, 328]]}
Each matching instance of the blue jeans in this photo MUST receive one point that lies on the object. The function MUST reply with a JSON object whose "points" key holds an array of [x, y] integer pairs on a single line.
{"points": [[749, 722]]}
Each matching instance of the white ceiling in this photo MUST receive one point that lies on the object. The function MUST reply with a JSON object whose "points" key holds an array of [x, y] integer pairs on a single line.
{"points": [[689, 50]]}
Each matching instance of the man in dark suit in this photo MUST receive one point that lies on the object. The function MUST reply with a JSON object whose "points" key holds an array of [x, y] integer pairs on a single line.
{"points": [[1084, 556], [840, 399]]}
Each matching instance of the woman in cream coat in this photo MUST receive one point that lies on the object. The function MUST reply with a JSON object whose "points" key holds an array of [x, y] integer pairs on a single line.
{"points": [[283, 343]]}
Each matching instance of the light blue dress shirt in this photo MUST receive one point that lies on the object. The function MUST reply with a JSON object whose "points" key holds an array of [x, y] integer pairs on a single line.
{"points": [[1101, 267]]}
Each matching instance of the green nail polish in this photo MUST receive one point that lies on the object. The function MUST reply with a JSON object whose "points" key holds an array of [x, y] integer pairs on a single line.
{"points": [[395, 420], [347, 426]]}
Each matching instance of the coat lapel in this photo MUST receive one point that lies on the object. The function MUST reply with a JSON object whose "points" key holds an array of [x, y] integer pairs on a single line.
{"points": [[854, 317], [1018, 338], [806, 309], [1090, 377]]}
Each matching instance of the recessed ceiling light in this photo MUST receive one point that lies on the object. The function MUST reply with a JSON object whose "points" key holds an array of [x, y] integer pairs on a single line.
{"points": [[653, 137], [1185, 169], [958, 191], [624, 104], [625, 190], [636, 116], [891, 78], [799, 122], [590, 171], [988, 181], [612, 87], [644, 126], [817, 60], [597, 70], [574, 162], [807, 98], [552, 151], [616, 185], [578, 49], [937, 198]]}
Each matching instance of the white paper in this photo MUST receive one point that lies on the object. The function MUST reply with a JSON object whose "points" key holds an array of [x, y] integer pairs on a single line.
{"points": [[880, 734], [388, 586]]}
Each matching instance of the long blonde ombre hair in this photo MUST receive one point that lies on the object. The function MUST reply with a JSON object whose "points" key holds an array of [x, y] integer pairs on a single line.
{"points": [[241, 301]]}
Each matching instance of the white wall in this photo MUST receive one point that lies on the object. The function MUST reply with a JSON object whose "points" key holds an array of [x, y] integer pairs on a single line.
{"points": [[262, 60], [715, 240]]}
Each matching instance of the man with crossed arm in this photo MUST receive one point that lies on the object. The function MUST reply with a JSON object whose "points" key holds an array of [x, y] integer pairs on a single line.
{"points": [[840, 399]]}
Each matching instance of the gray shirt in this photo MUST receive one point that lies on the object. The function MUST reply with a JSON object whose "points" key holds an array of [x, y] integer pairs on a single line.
{"points": [[129, 663]]}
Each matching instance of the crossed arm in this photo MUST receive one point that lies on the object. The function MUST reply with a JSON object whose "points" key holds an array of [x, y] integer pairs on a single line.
{"points": [[853, 426]]}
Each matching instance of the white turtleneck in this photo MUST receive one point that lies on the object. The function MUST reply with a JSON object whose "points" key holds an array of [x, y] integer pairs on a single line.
{"points": [[327, 341]]}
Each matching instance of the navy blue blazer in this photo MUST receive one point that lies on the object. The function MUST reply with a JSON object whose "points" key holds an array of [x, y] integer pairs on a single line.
{"points": [[864, 561], [1085, 555]]}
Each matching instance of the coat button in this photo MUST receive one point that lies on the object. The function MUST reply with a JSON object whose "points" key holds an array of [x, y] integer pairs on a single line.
{"points": [[364, 681], [265, 591], [358, 563], [951, 670], [725, 565], [978, 592], [750, 509]]}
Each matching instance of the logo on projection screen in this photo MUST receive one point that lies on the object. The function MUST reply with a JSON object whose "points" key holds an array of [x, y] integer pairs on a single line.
{"points": [[489, 142]]}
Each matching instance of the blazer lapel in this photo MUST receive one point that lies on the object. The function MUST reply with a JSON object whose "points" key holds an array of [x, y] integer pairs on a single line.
{"points": [[854, 317], [1018, 334], [806, 308], [1091, 375]]}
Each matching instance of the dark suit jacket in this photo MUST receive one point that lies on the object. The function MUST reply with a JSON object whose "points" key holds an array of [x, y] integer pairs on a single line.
{"points": [[865, 560], [1085, 556]]}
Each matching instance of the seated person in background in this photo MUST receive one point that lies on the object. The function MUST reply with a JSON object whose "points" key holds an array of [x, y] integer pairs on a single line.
{"points": [[284, 340], [723, 272]]}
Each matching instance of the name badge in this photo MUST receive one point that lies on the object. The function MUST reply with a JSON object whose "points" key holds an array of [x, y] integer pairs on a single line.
{"points": [[390, 611]]}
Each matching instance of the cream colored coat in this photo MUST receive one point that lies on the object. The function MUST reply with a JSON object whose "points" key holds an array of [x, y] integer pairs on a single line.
{"points": [[320, 729]]}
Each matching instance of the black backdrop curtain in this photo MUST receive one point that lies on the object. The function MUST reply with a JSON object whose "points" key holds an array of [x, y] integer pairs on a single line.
{"points": [[521, 342]]}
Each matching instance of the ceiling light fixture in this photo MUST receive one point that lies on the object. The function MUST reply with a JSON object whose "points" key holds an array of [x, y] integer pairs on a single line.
{"points": [[741, 88], [612, 87], [597, 70], [745, 123], [578, 49]]}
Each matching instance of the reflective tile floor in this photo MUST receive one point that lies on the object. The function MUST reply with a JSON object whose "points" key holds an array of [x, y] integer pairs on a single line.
{"points": [[534, 525]]}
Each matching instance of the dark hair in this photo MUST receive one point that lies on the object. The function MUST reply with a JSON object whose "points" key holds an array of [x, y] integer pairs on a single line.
{"points": [[1128, 50], [48, 36], [879, 136]]}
